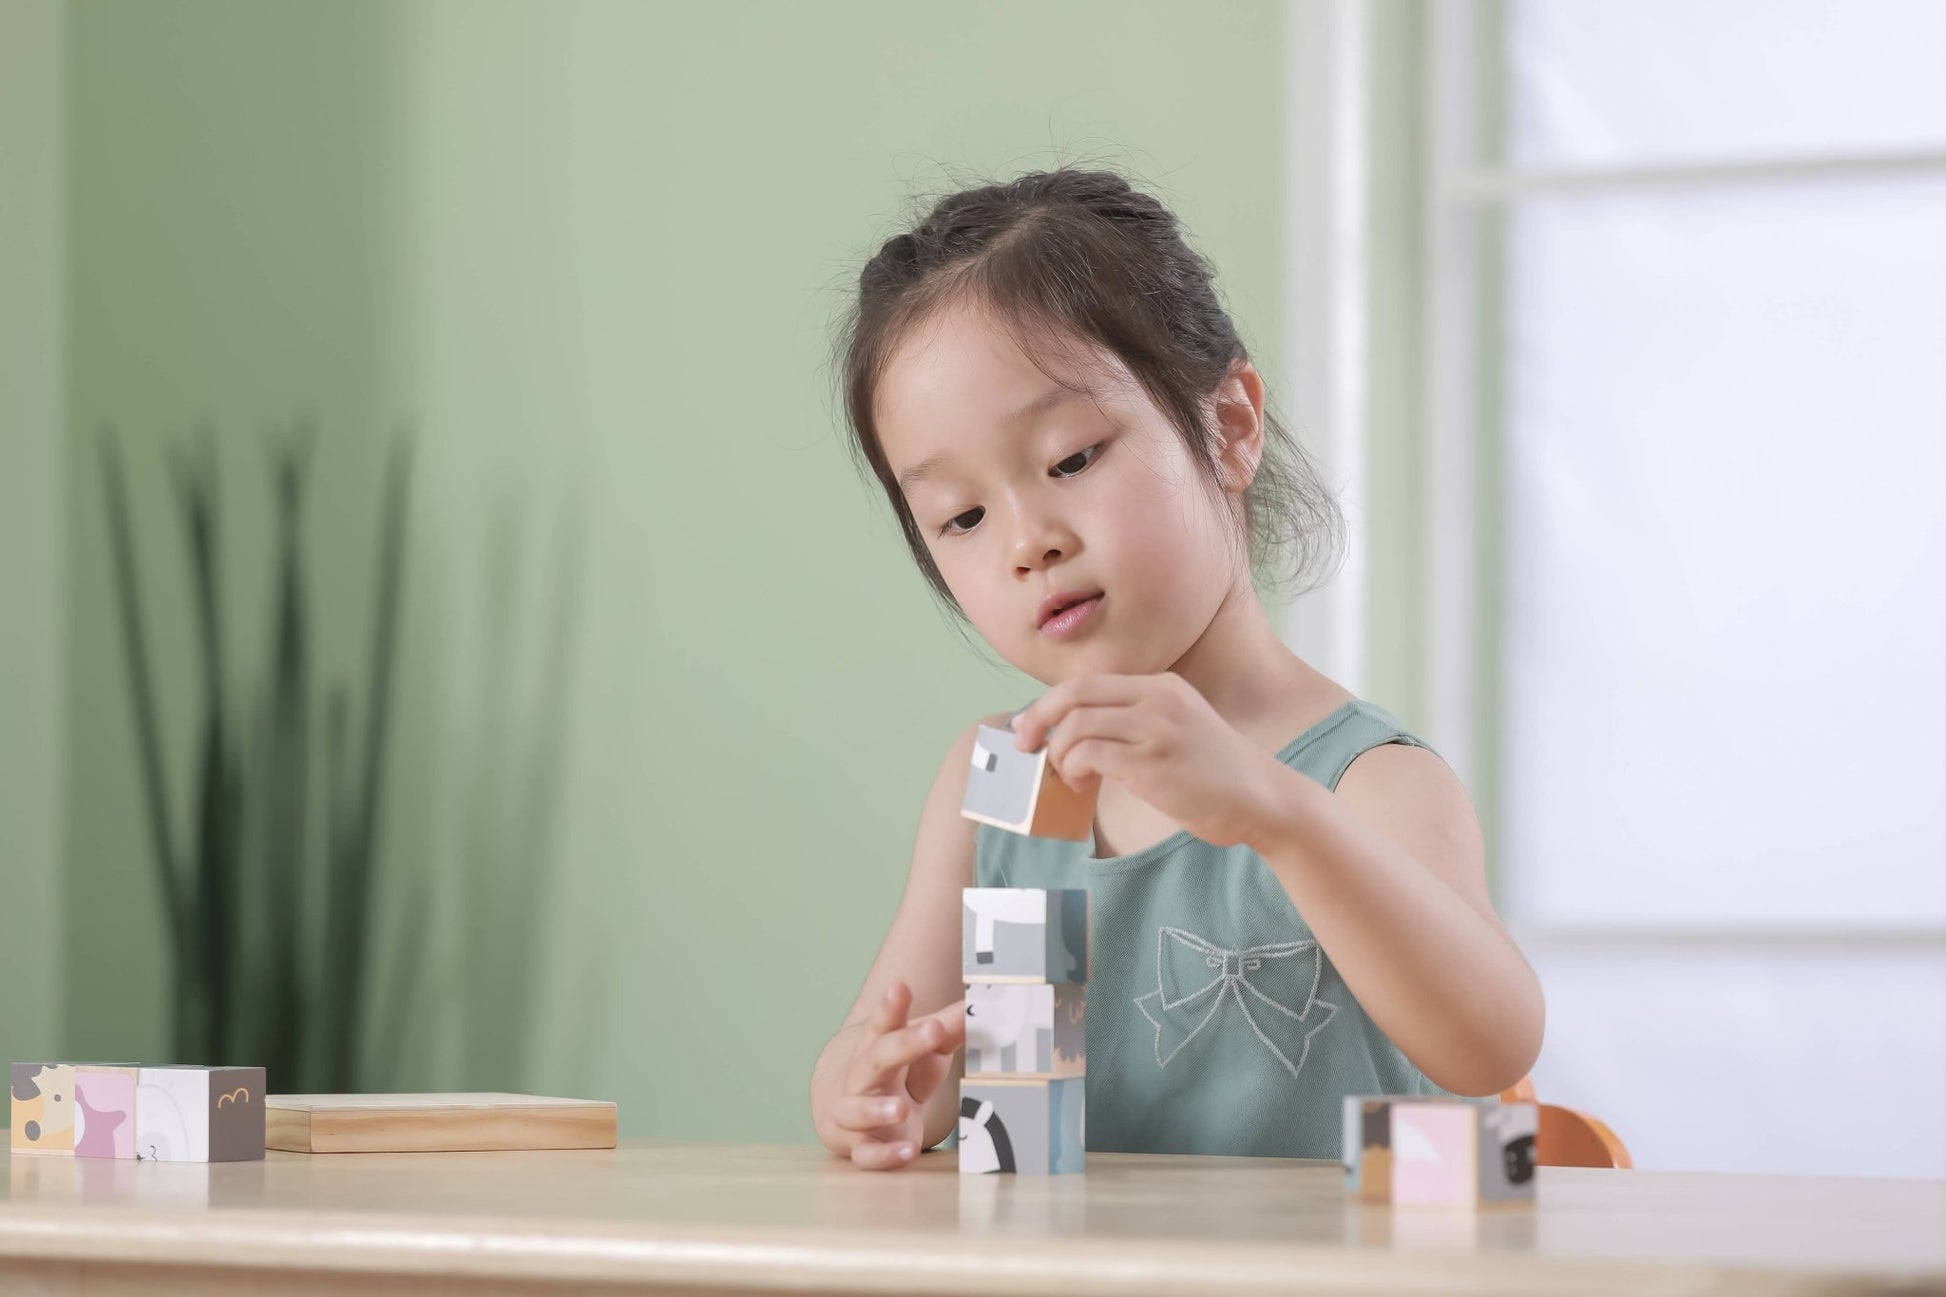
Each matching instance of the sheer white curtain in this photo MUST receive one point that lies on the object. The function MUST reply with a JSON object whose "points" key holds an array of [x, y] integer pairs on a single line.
{"points": [[1723, 574]]}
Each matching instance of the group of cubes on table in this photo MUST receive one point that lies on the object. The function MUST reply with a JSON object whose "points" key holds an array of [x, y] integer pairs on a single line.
{"points": [[119, 1110]]}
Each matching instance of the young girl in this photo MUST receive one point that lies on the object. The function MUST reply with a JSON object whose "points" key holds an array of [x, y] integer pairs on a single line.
{"points": [[1287, 893]]}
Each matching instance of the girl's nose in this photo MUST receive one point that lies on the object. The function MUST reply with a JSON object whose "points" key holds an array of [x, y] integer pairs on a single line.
{"points": [[1040, 544]]}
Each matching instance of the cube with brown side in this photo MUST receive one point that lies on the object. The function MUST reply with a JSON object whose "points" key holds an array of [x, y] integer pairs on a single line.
{"points": [[200, 1114]]}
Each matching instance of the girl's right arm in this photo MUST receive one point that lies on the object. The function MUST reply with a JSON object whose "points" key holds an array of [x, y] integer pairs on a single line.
{"points": [[879, 1090]]}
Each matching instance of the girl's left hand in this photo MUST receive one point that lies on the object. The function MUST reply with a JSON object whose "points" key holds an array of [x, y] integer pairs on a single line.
{"points": [[1162, 740]]}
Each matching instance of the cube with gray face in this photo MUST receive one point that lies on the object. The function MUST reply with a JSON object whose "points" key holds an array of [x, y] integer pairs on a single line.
{"points": [[1026, 1029], [1020, 791], [1508, 1132], [1023, 1127], [1024, 934], [199, 1114]]}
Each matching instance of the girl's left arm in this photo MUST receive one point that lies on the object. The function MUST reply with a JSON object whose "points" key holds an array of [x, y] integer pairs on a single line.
{"points": [[1390, 873]]}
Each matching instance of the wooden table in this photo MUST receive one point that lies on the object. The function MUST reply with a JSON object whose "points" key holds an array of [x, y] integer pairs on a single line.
{"points": [[728, 1217]]}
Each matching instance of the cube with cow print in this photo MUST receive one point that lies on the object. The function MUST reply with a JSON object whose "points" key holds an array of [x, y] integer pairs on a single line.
{"points": [[1024, 1097]]}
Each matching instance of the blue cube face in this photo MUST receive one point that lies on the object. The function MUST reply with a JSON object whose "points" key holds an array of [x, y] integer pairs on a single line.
{"points": [[1024, 934]]}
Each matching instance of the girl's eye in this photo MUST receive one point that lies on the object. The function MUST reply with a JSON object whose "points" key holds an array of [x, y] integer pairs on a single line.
{"points": [[962, 523], [1074, 463]]}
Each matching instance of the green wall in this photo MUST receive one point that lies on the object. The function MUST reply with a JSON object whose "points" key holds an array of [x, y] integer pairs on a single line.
{"points": [[32, 350], [671, 693]]}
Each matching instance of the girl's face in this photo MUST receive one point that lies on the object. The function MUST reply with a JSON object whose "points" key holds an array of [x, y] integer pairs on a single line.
{"points": [[1032, 496]]}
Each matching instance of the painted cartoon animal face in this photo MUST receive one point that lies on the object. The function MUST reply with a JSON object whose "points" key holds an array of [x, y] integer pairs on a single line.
{"points": [[996, 1016], [1520, 1160], [991, 905], [983, 1143], [43, 1102]]}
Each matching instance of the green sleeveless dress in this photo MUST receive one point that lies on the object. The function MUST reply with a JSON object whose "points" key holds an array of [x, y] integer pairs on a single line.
{"points": [[1215, 1023]]}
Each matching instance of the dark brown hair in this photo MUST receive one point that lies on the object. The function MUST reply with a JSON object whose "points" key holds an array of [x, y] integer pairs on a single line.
{"points": [[1070, 254]]}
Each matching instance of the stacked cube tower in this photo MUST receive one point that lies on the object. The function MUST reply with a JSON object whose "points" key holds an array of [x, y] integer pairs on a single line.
{"points": [[1024, 958]]}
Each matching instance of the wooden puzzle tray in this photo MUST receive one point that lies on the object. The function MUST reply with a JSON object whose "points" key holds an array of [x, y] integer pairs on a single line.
{"points": [[434, 1123]]}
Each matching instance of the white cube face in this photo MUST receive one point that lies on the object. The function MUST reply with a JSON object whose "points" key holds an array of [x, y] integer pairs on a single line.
{"points": [[172, 1115]]}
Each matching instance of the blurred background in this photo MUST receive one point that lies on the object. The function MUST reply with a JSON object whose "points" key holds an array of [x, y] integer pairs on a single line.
{"points": [[444, 645]]}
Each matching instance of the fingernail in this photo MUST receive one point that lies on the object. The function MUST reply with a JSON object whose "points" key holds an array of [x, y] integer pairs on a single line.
{"points": [[887, 1110], [905, 1152]]}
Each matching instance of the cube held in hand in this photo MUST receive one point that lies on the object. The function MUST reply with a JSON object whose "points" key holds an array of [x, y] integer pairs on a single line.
{"points": [[1019, 791]]}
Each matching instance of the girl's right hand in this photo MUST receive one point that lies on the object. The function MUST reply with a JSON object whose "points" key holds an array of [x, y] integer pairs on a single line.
{"points": [[895, 1067]]}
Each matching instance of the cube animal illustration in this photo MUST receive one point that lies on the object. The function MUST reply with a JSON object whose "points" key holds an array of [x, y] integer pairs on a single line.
{"points": [[1023, 1127], [1367, 1148], [1462, 1154], [104, 1111], [200, 1114], [1026, 1029], [1019, 791], [1024, 934], [42, 1107]]}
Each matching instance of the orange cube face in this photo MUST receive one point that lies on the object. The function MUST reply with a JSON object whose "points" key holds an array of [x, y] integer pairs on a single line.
{"points": [[42, 1108]]}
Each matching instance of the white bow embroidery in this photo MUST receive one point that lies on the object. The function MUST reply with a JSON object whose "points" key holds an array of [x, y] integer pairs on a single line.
{"points": [[1261, 980]]}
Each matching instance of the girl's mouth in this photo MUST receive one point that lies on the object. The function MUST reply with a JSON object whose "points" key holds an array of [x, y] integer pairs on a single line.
{"points": [[1072, 619]]}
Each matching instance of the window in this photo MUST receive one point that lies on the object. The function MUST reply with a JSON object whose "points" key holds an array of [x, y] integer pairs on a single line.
{"points": [[1687, 410]]}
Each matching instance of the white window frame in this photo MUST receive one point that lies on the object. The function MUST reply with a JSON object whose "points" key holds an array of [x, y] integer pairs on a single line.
{"points": [[1326, 298], [1460, 190]]}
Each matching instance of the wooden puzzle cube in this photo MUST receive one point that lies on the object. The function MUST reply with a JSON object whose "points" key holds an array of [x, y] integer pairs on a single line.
{"points": [[1024, 1126], [42, 1107], [1024, 934], [1429, 1152], [104, 1110], [1020, 792], [1367, 1148], [1026, 1029], [200, 1114]]}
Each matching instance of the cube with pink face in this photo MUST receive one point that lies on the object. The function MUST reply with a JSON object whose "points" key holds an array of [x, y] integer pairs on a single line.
{"points": [[1463, 1154]]}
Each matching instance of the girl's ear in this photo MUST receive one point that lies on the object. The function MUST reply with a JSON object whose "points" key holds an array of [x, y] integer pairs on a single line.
{"points": [[1239, 413]]}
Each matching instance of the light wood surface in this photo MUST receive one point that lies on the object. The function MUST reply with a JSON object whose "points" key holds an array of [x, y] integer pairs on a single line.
{"points": [[725, 1218], [434, 1123]]}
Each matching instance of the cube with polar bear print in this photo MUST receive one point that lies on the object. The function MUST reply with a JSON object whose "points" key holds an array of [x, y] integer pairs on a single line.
{"points": [[1026, 1030], [200, 1114]]}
